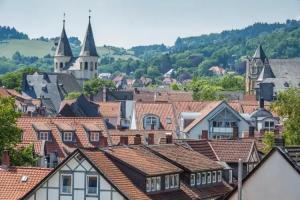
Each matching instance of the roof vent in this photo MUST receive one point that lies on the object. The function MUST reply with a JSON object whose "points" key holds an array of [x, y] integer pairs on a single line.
{"points": [[24, 179]]}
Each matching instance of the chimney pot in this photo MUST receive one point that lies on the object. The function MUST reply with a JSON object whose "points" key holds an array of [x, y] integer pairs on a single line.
{"points": [[137, 139], [5, 159], [204, 135], [123, 140]]}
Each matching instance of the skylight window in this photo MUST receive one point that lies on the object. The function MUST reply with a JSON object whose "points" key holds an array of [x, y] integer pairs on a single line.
{"points": [[24, 179]]}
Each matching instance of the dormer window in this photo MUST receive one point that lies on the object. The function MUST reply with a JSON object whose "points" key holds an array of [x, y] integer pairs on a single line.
{"points": [[93, 132], [42, 130], [219, 176], [153, 184], [208, 177], [203, 180], [68, 136], [171, 181], [214, 177], [198, 180], [44, 135], [94, 136], [192, 180], [151, 122]]}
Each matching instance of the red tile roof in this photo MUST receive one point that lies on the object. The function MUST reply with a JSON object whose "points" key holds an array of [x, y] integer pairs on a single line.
{"points": [[11, 186], [203, 147], [37, 146], [186, 157], [162, 110], [110, 109], [143, 160], [57, 145]]}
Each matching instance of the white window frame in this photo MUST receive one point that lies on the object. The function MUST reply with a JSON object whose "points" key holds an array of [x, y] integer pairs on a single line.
{"points": [[149, 120], [44, 135], [214, 177], [176, 180], [61, 184], [153, 184], [94, 136], [208, 177], [198, 179], [269, 124], [192, 179], [203, 178], [66, 136], [158, 183], [148, 184], [172, 181], [219, 176], [167, 181], [87, 185]]}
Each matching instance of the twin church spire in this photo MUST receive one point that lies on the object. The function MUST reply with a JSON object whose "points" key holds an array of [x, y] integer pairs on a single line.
{"points": [[88, 47]]}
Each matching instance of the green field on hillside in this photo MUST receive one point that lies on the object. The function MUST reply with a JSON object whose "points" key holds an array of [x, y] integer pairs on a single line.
{"points": [[26, 47]]}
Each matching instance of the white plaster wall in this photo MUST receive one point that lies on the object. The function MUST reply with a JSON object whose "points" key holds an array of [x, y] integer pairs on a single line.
{"points": [[53, 194], [79, 179], [276, 179], [59, 59], [79, 194]]}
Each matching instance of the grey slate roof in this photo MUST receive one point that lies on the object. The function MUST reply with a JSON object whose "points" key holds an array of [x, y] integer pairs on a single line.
{"points": [[52, 87], [266, 72], [260, 54], [63, 48], [285, 68], [88, 47]]}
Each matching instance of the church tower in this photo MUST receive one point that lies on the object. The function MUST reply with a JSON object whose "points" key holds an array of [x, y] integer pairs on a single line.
{"points": [[88, 57], [63, 53], [254, 67]]}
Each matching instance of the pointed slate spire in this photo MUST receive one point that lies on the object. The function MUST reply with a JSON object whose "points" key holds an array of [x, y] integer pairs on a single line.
{"points": [[63, 48], [88, 47], [266, 72], [260, 54]]}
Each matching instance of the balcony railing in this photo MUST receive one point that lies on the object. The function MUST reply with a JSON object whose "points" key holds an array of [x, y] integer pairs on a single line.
{"points": [[221, 130]]}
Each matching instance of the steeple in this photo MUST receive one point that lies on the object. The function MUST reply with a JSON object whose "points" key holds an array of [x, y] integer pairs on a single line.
{"points": [[260, 54], [88, 47], [63, 48], [266, 72]]}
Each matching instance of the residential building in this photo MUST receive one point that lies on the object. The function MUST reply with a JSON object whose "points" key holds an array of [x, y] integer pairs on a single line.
{"points": [[85, 66], [275, 177], [111, 114]]}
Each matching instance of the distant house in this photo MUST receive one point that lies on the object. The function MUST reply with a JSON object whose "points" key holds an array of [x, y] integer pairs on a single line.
{"points": [[120, 82], [49, 88], [219, 71], [275, 177], [169, 81]]}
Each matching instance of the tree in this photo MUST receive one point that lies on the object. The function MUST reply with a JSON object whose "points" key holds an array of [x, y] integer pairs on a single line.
{"points": [[72, 95], [93, 86], [268, 142], [10, 134], [23, 156], [287, 106]]}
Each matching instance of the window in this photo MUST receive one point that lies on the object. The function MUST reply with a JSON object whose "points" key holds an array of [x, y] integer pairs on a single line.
{"points": [[94, 136], [61, 65], [148, 184], [209, 177], [198, 179], [176, 180], [86, 65], [95, 65], [151, 122], [167, 179], [192, 179], [172, 181], [219, 176], [153, 184], [217, 124], [91, 66], [68, 136], [158, 185], [44, 136], [203, 178], [92, 184], [214, 177], [269, 124], [66, 184]]}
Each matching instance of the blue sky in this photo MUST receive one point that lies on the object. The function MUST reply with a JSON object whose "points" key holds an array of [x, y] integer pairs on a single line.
{"points": [[127, 23]]}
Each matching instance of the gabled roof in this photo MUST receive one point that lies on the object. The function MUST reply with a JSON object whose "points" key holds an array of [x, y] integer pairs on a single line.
{"points": [[11, 186], [260, 54], [185, 157], [143, 160], [266, 72], [63, 48], [88, 47], [224, 150]]}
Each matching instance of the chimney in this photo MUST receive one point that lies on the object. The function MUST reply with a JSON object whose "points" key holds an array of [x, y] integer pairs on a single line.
{"points": [[251, 131], [5, 160], [137, 139], [169, 138], [123, 140], [103, 141], [204, 135], [104, 94], [150, 138], [235, 132], [261, 102]]}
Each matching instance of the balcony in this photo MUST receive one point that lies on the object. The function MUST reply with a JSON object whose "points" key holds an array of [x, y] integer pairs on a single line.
{"points": [[221, 130]]}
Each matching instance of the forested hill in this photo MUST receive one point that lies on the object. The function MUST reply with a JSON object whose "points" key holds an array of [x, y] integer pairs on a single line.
{"points": [[7, 33]]}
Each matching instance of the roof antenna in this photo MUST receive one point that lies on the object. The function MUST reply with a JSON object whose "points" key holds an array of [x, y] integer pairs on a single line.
{"points": [[90, 14], [64, 19]]}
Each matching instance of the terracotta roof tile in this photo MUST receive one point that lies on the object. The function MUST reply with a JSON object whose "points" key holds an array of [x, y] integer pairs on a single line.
{"points": [[212, 191], [37, 146], [186, 157], [143, 160], [110, 109], [162, 110], [203, 147], [56, 144], [11, 186]]}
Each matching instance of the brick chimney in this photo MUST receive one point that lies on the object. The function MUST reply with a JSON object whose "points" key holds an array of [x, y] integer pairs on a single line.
{"points": [[5, 160], [204, 135], [150, 138], [251, 131], [169, 138], [123, 140], [235, 132], [137, 139], [103, 141]]}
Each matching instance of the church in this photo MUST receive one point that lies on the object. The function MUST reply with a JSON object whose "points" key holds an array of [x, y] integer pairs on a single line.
{"points": [[265, 78], [83, 67]]}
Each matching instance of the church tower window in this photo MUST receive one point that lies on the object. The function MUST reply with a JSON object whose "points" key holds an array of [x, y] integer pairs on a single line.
{"points": [[95, 65], [61, 65], [86, 65], [91, 66]]}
